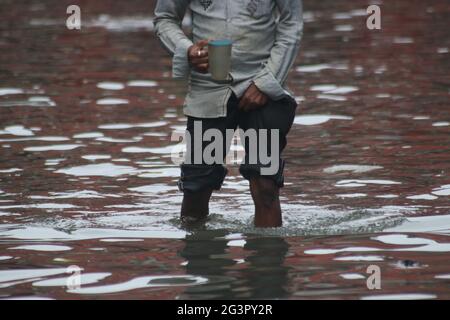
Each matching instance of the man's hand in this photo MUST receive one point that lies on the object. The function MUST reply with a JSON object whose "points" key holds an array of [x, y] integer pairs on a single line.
{"points": [[198, 57], [253, 99]]}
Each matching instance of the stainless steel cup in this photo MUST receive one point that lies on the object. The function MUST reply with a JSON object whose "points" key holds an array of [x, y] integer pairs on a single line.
{"points": [[219, 55]]}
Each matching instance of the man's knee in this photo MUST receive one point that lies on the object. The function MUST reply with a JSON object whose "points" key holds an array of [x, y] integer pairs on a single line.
{"points": [[197, 178]]}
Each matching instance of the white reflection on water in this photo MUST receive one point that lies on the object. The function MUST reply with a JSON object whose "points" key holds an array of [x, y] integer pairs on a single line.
{"points": [[334, 89], [115, 140], [352, 195], [442, 190], [113, 170], [362, 183], [320, 67], [334, 251], [387, 196], [85, 278], [101, 169], [323, 87], [422, 197], [315, 119], [162, 172], [17, 130], [110, 85], [22, 274], [344, 28], [331, 97], [88, 135], [111, 23], [352, 276], [343, 90], [434, 224], [413, 244], [83, 194], [402, 239], [142, 83], [44, 248], [49, 206], [441, 124], [43, 138], [121, 240], [94, 157], [402, 296], [360, 258], [143, 282], [50, 234], [37, 101], [432, 247], [159, 150], [104, 21], [3, 258], [55, 147], [236, 243], [351, 167], [154, 189], [54, 162], [10, 170], [10, 91], [120, 126], [111, 101]]}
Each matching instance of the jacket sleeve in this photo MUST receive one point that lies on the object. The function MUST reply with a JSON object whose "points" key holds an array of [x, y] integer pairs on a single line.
{"points": [[169, 15], [282, 56]]}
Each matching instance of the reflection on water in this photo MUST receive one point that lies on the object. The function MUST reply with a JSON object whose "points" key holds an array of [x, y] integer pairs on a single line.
{"points": [[260, 275], [218, 264], [87, 179]]}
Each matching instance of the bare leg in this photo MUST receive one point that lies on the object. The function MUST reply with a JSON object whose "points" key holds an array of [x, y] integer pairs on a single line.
{"points": [[266, 196], [195, 207]]}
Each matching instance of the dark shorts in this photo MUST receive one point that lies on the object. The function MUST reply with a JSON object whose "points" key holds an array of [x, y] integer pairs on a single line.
{"points": [[274, 115]]}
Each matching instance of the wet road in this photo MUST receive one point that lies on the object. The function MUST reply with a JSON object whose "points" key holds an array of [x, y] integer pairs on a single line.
{"points": [[87, 179]]}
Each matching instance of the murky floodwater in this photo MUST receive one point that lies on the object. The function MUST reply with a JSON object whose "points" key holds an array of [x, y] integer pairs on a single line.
{"points": [[87, 179]]}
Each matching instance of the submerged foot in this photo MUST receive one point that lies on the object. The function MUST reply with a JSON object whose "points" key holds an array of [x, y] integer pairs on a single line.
{"points": [[188, 222], [195, 208]]}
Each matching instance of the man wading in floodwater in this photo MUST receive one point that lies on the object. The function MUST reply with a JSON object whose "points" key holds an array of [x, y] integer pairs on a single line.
{"points": [[265, 36]]}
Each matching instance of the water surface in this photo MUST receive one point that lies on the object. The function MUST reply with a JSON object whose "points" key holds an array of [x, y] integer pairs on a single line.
{"points": [[87, 179]]}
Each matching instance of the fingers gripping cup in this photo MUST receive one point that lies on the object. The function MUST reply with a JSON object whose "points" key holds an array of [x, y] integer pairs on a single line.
{"points": [[219, 53]]}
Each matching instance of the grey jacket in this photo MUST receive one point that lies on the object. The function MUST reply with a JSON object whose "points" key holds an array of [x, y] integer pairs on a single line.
{"points": [[266, 37]]}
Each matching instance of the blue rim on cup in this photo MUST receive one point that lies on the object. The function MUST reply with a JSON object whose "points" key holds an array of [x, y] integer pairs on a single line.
{"points": [[221, 42]]}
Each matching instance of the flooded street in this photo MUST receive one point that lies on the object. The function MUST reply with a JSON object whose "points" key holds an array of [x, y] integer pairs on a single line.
{"points": [[87, 178]]}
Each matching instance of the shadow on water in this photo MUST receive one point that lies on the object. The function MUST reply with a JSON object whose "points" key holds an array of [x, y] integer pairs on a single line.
{"points": [[260, 275]]}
